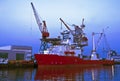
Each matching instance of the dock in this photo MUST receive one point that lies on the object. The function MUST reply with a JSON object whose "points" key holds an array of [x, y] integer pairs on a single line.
{"points": [[19, 64]]}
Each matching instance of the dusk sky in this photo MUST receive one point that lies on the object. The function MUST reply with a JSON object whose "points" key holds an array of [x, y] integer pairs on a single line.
{"points": [[18, 25]]}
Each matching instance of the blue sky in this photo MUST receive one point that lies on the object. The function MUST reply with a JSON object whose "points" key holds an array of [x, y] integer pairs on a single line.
{"points": [[18, 25]]}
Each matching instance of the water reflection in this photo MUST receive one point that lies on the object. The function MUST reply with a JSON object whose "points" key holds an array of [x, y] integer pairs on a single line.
{"points": [[93, 73], [96, 73], [18, 74]]}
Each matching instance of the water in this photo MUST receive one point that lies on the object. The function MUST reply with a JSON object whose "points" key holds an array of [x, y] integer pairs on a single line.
{"points": [[96, 73]]}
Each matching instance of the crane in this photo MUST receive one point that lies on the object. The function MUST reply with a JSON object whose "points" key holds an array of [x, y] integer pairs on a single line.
{"points": [[79, 38], [78, 35], [43, 29]]}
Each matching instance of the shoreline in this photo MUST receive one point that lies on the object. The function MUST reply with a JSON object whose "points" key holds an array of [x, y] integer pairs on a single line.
{"points": [[19, 64]]}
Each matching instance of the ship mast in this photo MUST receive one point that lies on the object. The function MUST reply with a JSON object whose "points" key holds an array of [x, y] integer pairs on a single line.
{"points": [[94, 55]]}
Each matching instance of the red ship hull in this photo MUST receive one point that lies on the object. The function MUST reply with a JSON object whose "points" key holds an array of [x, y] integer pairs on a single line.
{"points": [[50, 59]]}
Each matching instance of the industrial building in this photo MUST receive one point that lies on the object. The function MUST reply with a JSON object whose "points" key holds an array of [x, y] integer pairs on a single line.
{"points": [[14, 52]]}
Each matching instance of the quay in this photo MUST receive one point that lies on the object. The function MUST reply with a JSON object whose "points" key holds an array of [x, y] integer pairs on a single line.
{"points": [[19, 64]]}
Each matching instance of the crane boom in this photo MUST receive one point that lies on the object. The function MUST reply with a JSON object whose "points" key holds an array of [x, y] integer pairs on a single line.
{"points": [[43, 28], [67, 26], [37, 17]]}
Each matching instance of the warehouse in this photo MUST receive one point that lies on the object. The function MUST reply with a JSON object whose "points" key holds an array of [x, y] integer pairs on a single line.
{"points": [[14, 52]]}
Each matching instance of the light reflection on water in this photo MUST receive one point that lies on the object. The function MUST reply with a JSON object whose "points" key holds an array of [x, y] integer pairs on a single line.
{"points": [[92, 73]]}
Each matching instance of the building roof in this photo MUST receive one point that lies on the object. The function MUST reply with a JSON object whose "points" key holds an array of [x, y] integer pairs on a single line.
{"points": [[10, 47], [5, 48]]}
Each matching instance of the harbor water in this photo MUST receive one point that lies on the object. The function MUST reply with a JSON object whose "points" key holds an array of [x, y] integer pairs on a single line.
{"points": [[92, 73]]}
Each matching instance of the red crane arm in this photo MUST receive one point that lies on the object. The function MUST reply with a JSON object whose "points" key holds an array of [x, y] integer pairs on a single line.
{"points": [[43, 28]]}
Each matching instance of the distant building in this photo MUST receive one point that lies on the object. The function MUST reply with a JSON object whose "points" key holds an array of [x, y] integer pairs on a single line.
{"points": [[14, 52]]}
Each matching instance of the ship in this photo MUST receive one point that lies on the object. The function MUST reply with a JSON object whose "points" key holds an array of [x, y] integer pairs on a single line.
{"points": [[66, 49]]}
